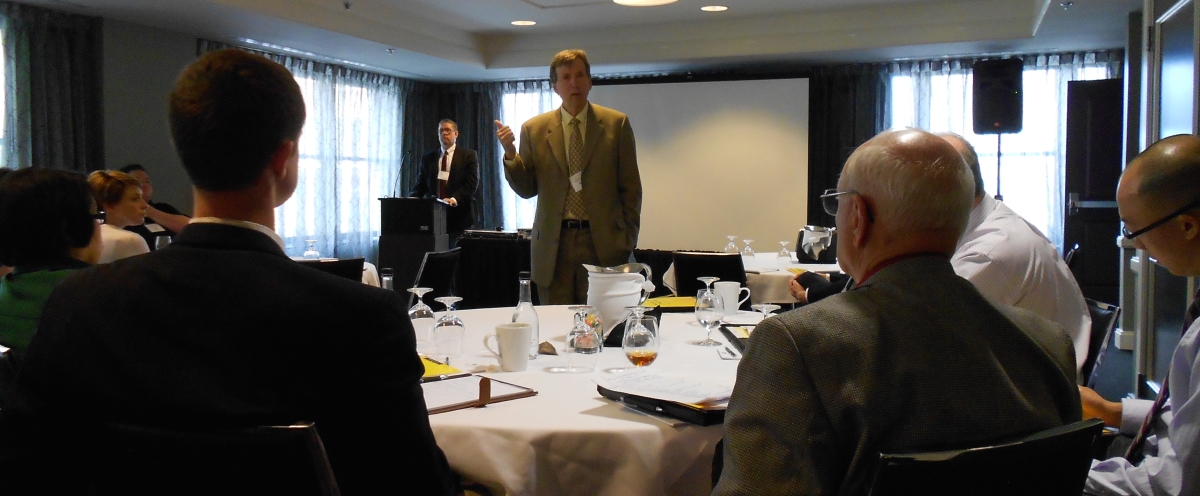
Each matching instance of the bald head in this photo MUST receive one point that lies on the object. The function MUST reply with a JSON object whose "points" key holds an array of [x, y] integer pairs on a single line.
{"points": [[1158, 200], [969, 156], [917, 181]]}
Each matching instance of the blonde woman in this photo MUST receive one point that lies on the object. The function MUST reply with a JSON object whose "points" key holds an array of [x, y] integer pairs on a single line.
{"points": [[120, 195]]}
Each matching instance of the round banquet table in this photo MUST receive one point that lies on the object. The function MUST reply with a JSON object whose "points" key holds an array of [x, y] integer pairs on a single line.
{"points": [[568, 439]]}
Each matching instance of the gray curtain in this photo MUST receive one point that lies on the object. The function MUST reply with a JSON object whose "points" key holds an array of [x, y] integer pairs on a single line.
{"points": [[52, 89]]}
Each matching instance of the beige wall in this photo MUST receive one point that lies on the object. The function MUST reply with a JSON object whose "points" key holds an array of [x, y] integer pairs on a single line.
{"points": [[140, 65]]}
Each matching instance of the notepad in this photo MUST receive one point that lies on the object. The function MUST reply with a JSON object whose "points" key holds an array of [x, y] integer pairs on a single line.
{"points": [[672, 302], [457, 392], [434, 368]]}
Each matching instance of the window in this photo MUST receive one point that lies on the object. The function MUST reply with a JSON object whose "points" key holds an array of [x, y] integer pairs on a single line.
{"points": [[349, 157], [936, 96], [522, 101]]}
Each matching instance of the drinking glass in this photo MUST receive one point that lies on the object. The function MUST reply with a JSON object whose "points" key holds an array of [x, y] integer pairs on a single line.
{"points": [[161, 242], [784, 257], [747, 252], [448, 331], [709, 309], [422, 319], [731, 247], [583, 343], [640, 342], [765, 308], [708, 281], [312, 253]]}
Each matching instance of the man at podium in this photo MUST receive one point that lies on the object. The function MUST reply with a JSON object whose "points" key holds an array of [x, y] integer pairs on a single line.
{"points": [[450, 174]]}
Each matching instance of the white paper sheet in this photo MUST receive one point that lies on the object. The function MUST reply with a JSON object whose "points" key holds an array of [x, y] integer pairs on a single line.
{"points": [[670, 388]]}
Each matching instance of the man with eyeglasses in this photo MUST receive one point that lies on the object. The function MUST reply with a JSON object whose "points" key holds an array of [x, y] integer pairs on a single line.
{"points": [[822, 390], [1159, 201], [1008, 260], [450, 174]]}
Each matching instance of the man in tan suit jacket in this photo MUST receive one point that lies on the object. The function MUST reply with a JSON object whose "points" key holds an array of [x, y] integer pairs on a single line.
{"points": [[581, 163], [913, 358]]}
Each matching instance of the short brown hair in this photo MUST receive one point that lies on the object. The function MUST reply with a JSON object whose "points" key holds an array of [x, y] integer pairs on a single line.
{"points": [[229, 112], [568, 57], [108, 186]]}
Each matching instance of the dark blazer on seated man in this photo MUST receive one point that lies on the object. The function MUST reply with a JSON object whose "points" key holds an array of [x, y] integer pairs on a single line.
{"points": [[461, 186], [247, 337]]}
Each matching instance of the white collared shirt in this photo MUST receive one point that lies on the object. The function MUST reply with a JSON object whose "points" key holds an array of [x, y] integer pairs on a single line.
{"points": [[243, 224]]}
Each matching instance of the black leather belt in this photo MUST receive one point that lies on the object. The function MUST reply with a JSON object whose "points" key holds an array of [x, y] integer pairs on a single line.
{"points": [[575, 224]]}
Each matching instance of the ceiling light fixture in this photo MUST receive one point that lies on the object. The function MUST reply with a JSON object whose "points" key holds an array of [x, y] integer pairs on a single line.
{"points": [[1066, 5], [523, 23], [714, 8], [643, 3]]}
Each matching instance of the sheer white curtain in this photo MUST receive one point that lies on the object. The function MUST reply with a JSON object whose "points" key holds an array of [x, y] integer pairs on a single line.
{"points": [[936, 96], [522, 101], [349, 156]]}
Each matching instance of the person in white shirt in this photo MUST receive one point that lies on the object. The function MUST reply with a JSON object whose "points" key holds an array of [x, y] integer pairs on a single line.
{"points": [[1012, 263], [120, 195]]}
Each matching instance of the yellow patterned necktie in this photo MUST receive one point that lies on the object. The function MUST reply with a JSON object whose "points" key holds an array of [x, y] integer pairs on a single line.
{"points": [[574, 204]]}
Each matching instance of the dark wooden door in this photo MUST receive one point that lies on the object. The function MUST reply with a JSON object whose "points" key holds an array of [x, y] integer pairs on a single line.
{"points": [[1094, 164]]}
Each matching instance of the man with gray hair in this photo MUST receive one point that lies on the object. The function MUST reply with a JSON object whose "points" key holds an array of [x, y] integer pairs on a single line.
{"points": [[822, 390]]}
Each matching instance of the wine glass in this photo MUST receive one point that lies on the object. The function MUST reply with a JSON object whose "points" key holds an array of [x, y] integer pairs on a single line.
{"points": [[640, 342], [709, 309], [732, 246], [765, 308], [312, 253], [448, 331], [422, 319], [708, 282], [161, 242], [747, 252], [583, 343], [784, 257]]}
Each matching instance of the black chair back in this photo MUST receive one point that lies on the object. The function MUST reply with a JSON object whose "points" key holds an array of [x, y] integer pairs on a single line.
{"points": [[690, 265], [1104, 321], [262, 460], [349, 268], [1051, 462], [438, 271]]}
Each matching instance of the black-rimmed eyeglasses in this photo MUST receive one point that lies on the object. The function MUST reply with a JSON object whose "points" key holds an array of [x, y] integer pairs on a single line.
{"points": [[1130, 235]]}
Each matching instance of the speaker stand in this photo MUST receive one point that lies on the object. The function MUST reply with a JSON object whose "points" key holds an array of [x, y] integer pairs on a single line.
{"points": [[998, 196]]}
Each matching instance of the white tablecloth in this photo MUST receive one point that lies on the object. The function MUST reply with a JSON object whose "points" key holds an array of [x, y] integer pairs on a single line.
{"points": [[570, 440], [768, 283]]}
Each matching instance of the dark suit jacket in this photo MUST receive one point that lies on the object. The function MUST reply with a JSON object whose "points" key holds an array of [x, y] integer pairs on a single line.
{"points": [[914, 360], [612, 186], [464, 180], [246, 337]]}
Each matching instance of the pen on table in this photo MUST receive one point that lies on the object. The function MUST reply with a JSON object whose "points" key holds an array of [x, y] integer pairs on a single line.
{"points": [[731, 353], [444, 377]]}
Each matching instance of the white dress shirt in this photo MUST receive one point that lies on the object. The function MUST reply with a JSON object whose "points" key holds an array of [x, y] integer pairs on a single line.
{"points": [[117, 243], [1165, 463], [1012, 263], [244, 224]]}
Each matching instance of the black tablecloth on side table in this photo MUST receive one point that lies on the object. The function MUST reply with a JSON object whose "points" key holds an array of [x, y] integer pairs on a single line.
{"points": [[488, 270]]}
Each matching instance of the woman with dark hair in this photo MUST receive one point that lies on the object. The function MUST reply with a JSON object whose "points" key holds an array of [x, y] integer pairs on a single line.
{"points": [[47, 218], [120, 195]]}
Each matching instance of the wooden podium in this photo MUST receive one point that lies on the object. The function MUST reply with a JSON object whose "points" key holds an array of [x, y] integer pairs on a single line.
{"points": [[409, 228]]}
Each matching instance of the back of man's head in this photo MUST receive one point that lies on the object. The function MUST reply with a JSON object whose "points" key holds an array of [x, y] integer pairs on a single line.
{"points": [[965, 148], [917, 183], [229, 113]]}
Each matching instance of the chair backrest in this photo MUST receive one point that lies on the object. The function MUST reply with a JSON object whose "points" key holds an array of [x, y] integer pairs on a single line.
{"points": [[1051, 462], [349, 268], [1104, 321], [262, 460], [438, 271], [8, 372], [690, 265]]}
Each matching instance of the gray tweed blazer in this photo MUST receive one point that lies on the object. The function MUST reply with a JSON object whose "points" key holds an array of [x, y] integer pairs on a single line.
{"points": [[914, 360]]}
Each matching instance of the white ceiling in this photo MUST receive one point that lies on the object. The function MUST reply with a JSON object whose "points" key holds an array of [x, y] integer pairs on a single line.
{"points": [[468, 40]]}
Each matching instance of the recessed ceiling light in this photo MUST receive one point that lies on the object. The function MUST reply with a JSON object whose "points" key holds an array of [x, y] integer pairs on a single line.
{"points": [[523, 23], [643, 3], [714, 8]]}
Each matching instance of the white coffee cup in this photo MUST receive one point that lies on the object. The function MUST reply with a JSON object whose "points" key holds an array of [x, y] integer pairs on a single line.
{"points": [[729, 292], [512, 339]]}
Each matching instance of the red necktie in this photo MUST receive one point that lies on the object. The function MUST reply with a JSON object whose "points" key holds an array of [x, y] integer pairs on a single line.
{"points": [[442, 184]]}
